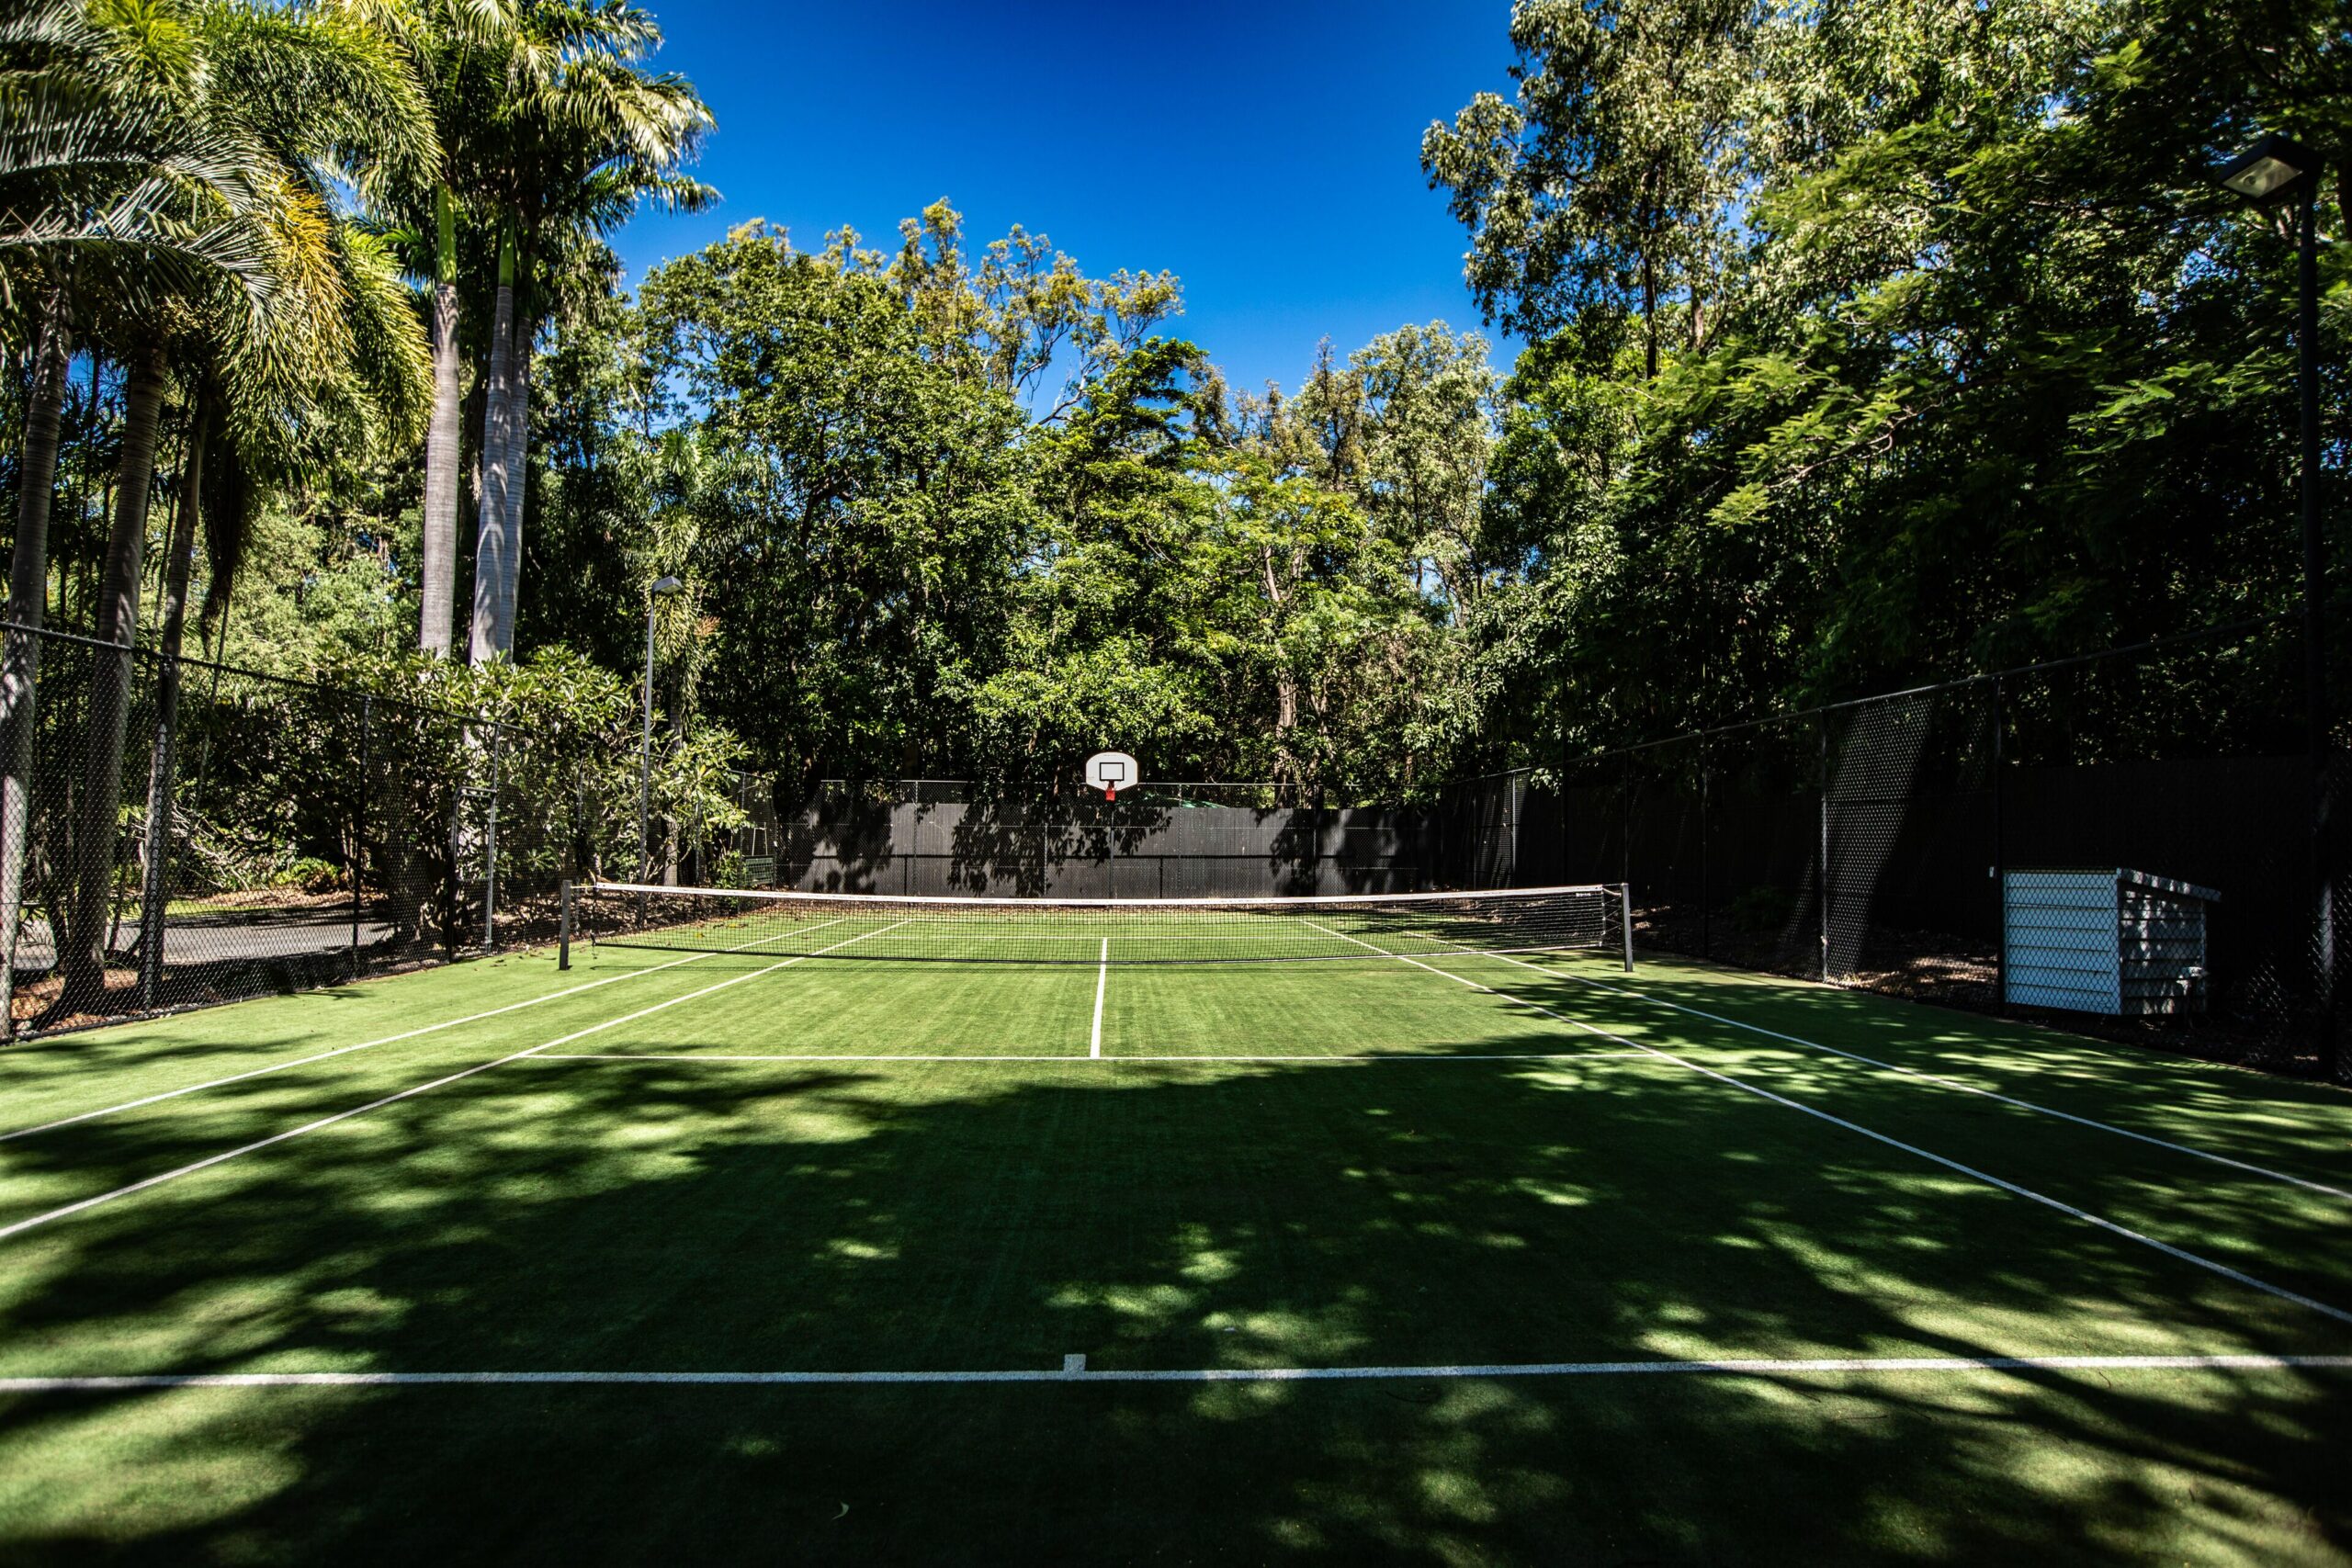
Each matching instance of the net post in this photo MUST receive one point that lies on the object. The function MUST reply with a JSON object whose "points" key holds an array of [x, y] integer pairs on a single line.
{"points": [[1625, 922], [563, 938]]}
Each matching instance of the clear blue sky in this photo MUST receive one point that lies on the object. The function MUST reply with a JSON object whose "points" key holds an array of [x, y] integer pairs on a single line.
{"points": [[1267, 154]]}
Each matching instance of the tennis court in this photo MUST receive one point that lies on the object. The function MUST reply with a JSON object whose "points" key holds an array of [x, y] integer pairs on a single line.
{"points": [[1445, 1247]]}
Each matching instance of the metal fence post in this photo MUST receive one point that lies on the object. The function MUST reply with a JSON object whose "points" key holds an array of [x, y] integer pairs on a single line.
{"points": [[579, 835], [1822, 881], [20, 666], [1625, 820], [359, 824], [156, 886], [2318, 710], [1706, 889], [2000, 861], [490, 844], [1560, 818]]}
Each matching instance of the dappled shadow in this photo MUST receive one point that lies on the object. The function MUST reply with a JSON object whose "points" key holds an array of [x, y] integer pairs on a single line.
{"points": [[2237, 1111], [683, 1216]]}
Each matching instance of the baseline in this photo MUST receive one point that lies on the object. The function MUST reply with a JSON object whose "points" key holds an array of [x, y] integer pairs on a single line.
{"points": [[390, 1039], [2249, 1168], [1733, 1366], [208, 1162]]}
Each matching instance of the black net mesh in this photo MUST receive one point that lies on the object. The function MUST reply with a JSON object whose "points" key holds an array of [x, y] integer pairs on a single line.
{"points": [[771, 925]]}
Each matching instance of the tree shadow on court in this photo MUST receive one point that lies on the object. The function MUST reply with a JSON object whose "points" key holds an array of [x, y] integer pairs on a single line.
{"points": [[2248, 1114], [664, 1216]]}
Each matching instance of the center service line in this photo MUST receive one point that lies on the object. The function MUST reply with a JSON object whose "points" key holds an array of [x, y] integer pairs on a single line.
{"points": [[1102, 984]]}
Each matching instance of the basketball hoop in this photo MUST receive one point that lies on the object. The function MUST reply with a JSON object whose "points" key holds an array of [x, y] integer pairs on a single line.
{"points": [[1108, 771]]}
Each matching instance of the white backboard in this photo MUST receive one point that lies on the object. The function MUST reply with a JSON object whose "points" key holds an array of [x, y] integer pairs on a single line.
{"points": [[1112, 771]]}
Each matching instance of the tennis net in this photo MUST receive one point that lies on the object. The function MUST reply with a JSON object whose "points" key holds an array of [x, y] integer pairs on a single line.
{"points": [[1088, 931]]}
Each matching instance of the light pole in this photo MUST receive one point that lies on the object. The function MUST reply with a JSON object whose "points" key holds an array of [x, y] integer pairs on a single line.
{"points": [[663, 589], [2274, 169]]}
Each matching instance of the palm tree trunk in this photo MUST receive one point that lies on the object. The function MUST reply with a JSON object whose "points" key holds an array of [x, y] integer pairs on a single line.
{"points": [[81, 954], [437, 556], [518, 479], [179, 558], [491, 566], [28, 598]]}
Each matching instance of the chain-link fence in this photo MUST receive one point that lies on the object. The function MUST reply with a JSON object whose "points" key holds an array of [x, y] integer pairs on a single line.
{"points": [[191, 832], [1881, 843], [188, 832]]}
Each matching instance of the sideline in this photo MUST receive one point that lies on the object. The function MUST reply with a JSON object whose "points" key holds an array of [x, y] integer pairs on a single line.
{"points": [[208, 1162], [2248, 1167], [2211, 1266]]}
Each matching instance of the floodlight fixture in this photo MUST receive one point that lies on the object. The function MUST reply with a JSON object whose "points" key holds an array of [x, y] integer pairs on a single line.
{"points": [[2273, 167]]}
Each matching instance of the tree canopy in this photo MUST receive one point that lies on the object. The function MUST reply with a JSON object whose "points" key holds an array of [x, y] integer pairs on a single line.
{"points": [[1864, 344]]}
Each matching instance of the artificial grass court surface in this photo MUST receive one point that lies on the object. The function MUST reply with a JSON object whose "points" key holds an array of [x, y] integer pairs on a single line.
{"points": [[1506, 1199]]}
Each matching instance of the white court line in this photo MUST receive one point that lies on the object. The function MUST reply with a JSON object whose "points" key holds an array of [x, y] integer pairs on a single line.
{"points": [[1102, 984], [207, 1163], [2183, 1254], [391, 1039], [1953, 1083], [1740, 1367], [1106, 1061]]}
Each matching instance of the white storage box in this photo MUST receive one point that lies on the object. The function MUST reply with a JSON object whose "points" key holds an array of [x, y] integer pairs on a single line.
{"points": [[2116, 941]]}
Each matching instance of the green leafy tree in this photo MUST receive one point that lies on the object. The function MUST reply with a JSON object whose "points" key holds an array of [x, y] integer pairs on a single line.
{"points": [[859, 507], [1610, 181], [2002, 374], [329, 367]]}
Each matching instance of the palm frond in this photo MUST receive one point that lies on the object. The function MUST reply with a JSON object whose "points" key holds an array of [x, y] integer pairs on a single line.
{"points": [[321, 89], [114, 186]]}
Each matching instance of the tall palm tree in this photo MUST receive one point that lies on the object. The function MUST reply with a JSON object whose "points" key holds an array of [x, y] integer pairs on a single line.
{"points": [[437, 546], [458, 49], [296, 90], [274, 405], [109, 200], [583, 136]]}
